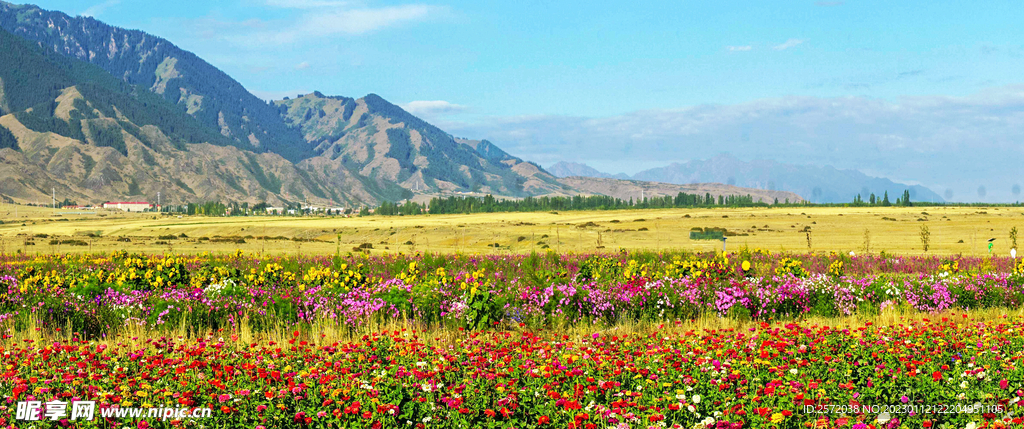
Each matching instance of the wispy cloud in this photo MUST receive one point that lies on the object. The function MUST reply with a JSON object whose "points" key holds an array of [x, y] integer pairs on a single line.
{"points": [[788, 44], [302, 66], [909, 73], [359, 21], [314, 19], [958, 143], [739, 48], [97, 9], [432, 107]]}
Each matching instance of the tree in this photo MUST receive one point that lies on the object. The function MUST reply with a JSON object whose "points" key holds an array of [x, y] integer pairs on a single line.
{"points": [[926, 237], [872, 200], [885, 200], [7, 139]]}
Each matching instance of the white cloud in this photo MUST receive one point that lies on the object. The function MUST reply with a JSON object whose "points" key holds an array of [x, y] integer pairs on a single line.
{"points": [[432, 108], [318, 19], [788, 44], [359, 21], [302, 66], [98, 9], [958, 143], [739, 48]]}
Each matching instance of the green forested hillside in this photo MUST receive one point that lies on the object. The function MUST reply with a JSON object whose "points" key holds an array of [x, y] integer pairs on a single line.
{"points": [[32, 79], [160, 67]]}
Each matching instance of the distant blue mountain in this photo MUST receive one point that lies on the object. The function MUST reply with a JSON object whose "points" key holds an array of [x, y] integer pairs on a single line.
{"points": [[815, 184]]}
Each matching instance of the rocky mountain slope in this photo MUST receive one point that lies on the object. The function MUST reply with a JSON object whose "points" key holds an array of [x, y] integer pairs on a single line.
{"points": [[92, 137], [179, 76], [341, 149], [570, 169], [386, 144]]}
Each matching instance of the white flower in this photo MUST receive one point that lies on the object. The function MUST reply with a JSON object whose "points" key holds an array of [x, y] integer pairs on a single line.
{"points": [[696, 399], [972, 425], [793, 371], [884, 417]]}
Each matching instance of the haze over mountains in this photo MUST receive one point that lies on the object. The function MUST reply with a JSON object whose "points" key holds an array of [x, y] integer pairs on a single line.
{"points": [[815, 184]]}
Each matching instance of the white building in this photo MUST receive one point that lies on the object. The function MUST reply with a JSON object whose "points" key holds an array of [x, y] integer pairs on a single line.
{"points": [[275, 210], [129, 206]]}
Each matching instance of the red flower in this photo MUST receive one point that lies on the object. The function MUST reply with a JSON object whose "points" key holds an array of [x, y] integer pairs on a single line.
{"points": [[490, 413], [936, 376], [543, 420]]}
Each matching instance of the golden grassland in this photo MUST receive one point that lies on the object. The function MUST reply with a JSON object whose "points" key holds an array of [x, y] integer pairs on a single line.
{"points": [[953, 230], [327, 332]]}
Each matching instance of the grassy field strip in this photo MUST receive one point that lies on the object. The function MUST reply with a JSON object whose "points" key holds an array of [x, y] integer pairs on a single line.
{"points": [[953, 230]]}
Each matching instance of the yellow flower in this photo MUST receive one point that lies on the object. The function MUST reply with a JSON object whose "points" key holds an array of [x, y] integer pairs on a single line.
{"points": [[777, 417], [746, 265]]}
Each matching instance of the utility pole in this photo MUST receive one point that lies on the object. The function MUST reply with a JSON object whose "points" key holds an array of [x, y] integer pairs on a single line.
{"points": [[158, 201]]}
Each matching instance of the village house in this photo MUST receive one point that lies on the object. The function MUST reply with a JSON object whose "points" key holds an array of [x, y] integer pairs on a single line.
{"points": [[129, 206]]}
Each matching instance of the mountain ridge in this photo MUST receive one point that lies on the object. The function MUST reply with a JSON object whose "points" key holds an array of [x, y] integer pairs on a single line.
{"points": [[816, 184]]}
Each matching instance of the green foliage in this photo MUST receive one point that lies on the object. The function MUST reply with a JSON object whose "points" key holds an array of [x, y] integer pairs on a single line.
{"points": [[488, 204], [104, 134], [401, 147], [7, 140], [484, 310]]}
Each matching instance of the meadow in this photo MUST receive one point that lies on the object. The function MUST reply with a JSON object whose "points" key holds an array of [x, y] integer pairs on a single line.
{"points": [[897, 230], [422, 322], [630, 339]]}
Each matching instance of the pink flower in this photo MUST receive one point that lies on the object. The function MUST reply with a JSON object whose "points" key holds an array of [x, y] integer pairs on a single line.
{"points": [[224, 398], [1003, 384], [904, 399]]}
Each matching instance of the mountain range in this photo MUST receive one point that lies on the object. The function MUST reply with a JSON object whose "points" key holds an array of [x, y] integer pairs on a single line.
{"points": [[98, 112], [814, 184], [93, 112]]}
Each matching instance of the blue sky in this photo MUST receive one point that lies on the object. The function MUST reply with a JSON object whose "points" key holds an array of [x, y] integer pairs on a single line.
{"points": [[631, 85]]}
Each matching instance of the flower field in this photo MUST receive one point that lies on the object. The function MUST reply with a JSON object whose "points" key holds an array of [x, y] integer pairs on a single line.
{"points": [[531, 341], [94, 295], [767, 376]]}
